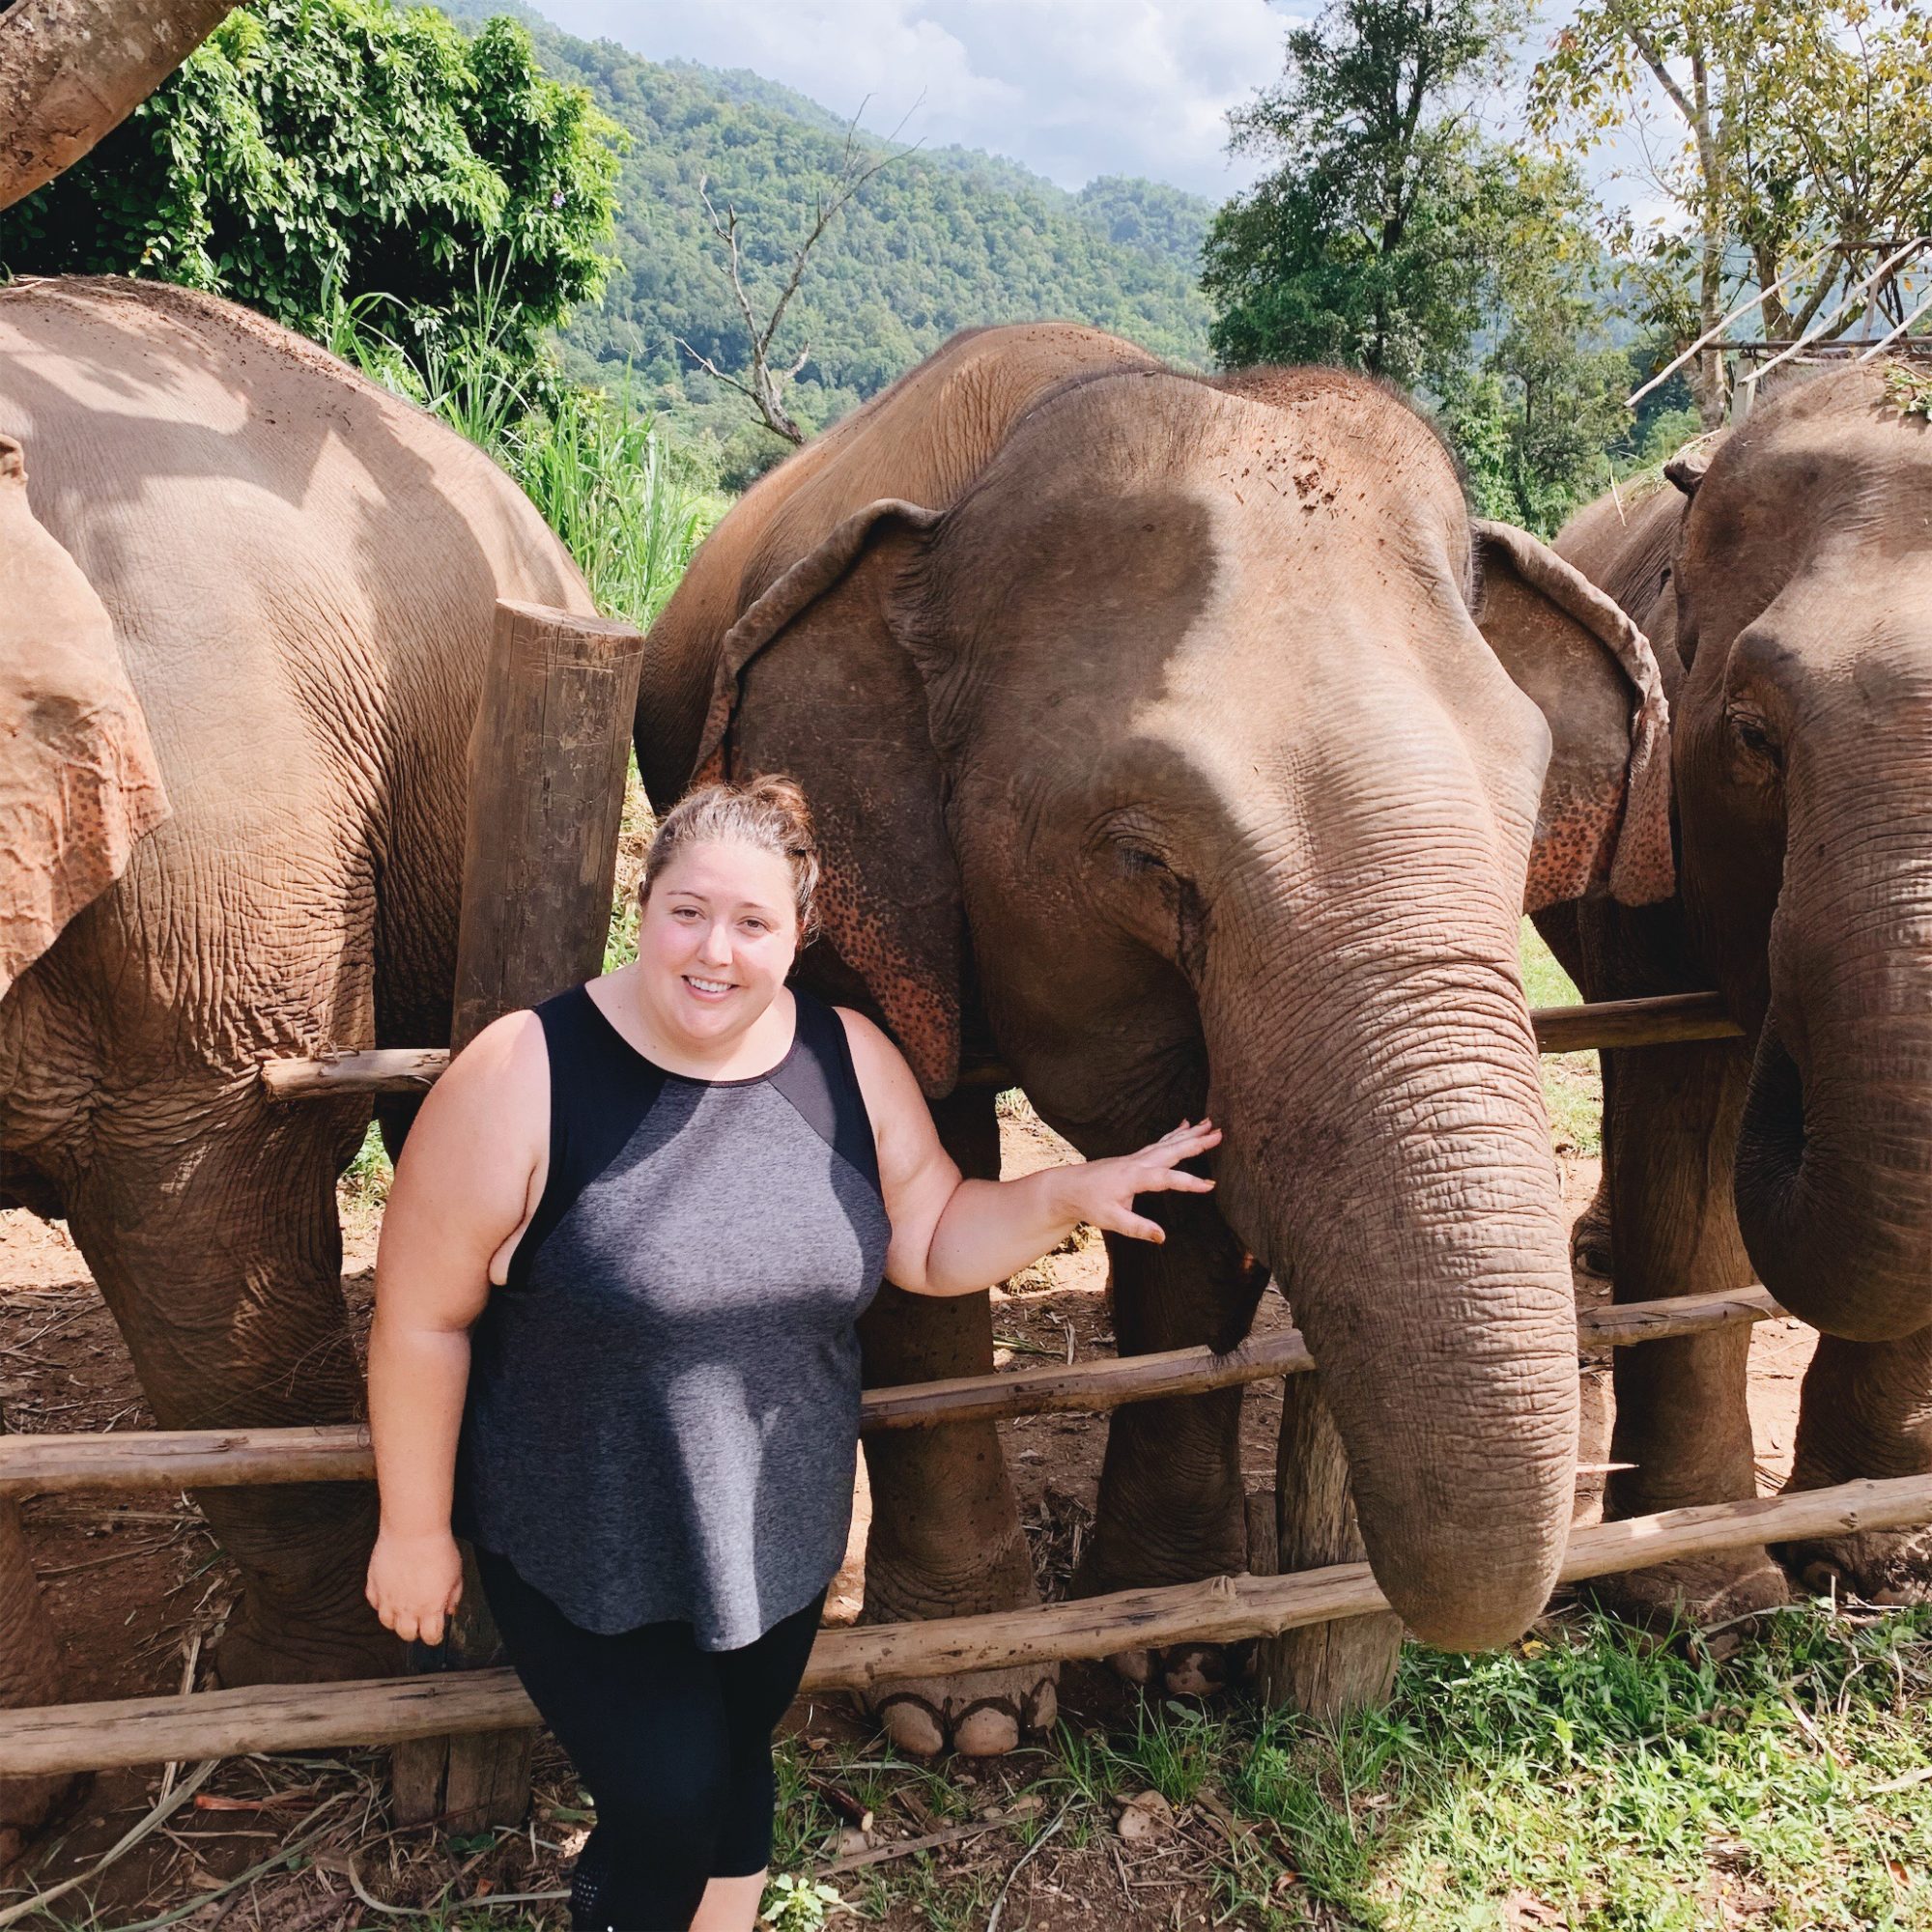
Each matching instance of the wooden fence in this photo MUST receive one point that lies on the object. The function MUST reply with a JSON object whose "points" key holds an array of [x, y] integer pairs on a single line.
{"points": [[74, 1737], [535, 789], [1607, 1023]]}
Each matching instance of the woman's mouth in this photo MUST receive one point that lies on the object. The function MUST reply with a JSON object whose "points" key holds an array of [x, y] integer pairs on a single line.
{"points": [[709, 990]]}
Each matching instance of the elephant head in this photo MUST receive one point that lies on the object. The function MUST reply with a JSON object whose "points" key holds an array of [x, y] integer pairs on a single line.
{"points": [[79, 782], [1173, 754], [1803, 595]]}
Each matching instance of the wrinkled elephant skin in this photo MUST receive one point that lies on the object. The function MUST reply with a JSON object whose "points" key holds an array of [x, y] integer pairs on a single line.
{"points": [[1787, 584], [1155, 751], [245, 599]]}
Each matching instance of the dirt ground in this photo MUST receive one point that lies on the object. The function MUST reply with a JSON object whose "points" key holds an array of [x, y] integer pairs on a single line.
{"points": [[140, 1590]]}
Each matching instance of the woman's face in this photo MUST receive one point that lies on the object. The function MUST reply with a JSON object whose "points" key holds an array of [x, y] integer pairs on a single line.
{"points": [[717, 936]]}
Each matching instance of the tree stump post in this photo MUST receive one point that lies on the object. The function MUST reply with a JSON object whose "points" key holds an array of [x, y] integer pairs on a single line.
{"points": [[548, 757], [1327, 1669]]}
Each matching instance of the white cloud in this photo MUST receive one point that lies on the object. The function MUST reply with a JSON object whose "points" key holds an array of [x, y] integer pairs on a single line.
{"points": [[1072, 88]]}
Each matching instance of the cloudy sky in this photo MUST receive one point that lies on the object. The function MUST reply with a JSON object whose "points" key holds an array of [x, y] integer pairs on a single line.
{"points": [[1072, 88]]}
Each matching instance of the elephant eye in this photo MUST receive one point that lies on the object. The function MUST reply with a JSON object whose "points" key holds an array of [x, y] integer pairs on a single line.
{"points": [[1754, 736], [1137, 858]]}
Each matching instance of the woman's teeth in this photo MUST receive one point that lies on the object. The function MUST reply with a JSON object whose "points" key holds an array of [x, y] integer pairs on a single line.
{"points": [[707, 985]]}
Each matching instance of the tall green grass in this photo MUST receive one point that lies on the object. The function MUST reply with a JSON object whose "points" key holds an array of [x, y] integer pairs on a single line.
{"points": [[629, 504]]}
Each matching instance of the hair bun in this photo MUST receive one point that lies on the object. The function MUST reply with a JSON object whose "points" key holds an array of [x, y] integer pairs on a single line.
{"points": [[768, 812]]}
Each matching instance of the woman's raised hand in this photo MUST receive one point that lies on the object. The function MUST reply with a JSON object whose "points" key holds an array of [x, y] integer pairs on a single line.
{"points": [[414, 1583], [1104, 1191]]}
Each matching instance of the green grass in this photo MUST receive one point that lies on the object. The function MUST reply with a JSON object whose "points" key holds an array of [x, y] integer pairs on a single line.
{"points": [[369, 1173], [1572, 1088], [1593, 1778], [629, 502]]}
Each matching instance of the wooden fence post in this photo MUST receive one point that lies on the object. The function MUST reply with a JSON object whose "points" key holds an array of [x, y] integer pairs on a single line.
{"points": [[1324, 1670], [548, 757]]}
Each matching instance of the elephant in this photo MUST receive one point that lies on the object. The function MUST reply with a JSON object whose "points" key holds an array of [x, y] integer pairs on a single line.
{"points": [[1158, 757], [1783, 572], [248, 604]]}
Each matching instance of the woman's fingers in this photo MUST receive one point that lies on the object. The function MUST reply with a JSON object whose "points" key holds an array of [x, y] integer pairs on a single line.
{"points": [[1140, 1228], [1175, 1181]]}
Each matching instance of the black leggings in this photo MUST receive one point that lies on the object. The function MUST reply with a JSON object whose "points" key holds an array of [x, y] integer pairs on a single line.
{"points": [[673, 1743]]}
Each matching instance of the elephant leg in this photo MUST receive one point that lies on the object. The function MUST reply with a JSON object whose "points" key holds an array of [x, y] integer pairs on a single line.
{"points": [[30, 1673], [1681, 1415], [1865, 1410], [946, 1537], [221, 1260], [1171, 1507]]}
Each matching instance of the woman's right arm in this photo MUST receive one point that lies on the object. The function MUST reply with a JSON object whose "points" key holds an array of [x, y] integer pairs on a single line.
{"points": [[463, 1190]]}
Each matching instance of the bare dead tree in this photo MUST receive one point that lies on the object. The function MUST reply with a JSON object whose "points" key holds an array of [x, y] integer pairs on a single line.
{"points": [[766, 386]]}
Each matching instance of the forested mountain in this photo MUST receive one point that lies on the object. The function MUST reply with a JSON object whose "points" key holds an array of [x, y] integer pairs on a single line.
{"points": [[942, 239]]}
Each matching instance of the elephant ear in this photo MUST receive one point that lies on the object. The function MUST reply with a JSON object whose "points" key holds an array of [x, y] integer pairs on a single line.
{"points": [[817, 680], [78, 779], [1605, 820]]}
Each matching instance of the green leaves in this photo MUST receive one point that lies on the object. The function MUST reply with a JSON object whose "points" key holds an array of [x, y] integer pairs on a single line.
{"points": [[314, 151], [1396, 238]]}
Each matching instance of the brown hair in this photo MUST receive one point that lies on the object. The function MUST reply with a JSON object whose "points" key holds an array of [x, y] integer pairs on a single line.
{"points": [[768, 813]]}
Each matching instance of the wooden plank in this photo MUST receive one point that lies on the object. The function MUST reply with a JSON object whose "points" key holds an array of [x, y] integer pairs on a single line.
{"points": [[385, 1069], [226, 1458], [1653, 1022], [222, 1724]]}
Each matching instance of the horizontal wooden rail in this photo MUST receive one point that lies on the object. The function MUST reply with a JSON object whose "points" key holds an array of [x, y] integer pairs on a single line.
{"points": [[222, 1724], [227, 1458], [1673, 1016]]}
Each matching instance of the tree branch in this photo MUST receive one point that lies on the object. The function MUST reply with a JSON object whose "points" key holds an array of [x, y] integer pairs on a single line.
{"points": [[766, 386]]}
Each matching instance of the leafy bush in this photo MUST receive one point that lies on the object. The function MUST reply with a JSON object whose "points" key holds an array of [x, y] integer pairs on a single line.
{"points": [[312, 150]]}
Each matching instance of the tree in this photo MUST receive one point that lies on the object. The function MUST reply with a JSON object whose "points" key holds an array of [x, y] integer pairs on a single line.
{"points": [[1537, 411], [316, 152], [1356, 248], [1797, 128], [1395, 238], [763, 382]]}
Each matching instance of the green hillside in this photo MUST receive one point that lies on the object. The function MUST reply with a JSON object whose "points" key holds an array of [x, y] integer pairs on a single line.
{"points": [[943, 239]]}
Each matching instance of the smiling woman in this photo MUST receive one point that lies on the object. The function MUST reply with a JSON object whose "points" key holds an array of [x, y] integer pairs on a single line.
{"points": [[615, 1346]]}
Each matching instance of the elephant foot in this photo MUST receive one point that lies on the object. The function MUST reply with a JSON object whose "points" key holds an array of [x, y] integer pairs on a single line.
{"points": [[980, 1713], [984, 1713], [1218, 1547], [1185, 1670], [28, 1807], [1590, 1251], [1700, 1590], [308, 1641], [1879, 1566]]}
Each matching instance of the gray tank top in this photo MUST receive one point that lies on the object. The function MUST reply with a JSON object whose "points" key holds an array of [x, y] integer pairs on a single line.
{"points": [[663, 1411]]}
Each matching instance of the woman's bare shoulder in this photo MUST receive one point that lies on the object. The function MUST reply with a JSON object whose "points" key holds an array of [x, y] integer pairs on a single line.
{"points": [[883, 1073], [508, 1049]]}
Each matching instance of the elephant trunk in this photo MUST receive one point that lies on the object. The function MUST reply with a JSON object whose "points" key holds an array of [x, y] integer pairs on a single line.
{"points": [[1388, 1154], [1834, 1175]]}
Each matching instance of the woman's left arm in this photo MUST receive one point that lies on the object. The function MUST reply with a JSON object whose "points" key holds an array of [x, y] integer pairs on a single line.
{"points": [[954, 1237]]}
